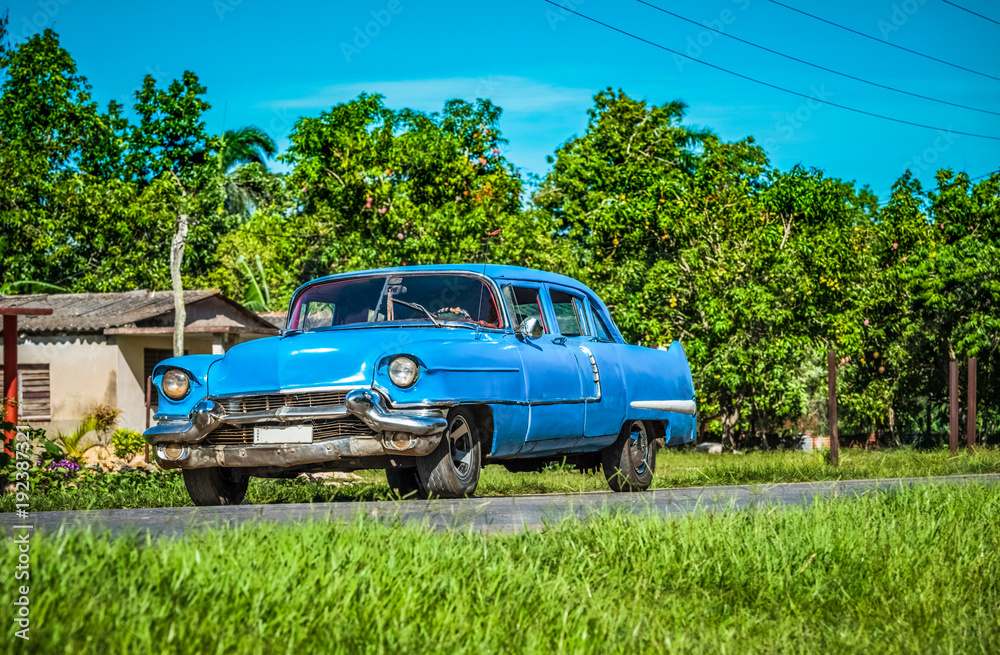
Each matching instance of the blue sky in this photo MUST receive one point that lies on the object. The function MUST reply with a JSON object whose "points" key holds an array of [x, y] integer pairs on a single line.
{"points": [[267, 63]]}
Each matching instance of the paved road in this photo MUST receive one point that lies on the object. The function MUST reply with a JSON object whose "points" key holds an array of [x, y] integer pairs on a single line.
{"points": [[495, 514]]}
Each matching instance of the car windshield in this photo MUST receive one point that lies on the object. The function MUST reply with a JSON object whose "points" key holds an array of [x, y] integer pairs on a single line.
{"points": [[448, 299]]}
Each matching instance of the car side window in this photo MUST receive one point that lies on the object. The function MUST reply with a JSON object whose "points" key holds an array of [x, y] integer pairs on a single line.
{"points": [[524, 302], [569, 314], [603, 333]]}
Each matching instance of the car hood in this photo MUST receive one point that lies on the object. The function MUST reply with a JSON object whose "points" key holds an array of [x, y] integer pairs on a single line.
{"points": [[315, 359]]}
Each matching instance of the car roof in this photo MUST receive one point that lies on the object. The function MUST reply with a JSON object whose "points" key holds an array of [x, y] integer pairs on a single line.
{"points": [[495, 271]]}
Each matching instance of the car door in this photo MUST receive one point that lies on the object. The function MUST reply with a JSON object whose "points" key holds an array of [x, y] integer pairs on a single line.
{"points": [[553, 385], [598, 360]]}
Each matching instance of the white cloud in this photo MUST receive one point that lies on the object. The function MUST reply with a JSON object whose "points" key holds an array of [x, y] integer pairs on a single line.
{"points": [[516, 95]]}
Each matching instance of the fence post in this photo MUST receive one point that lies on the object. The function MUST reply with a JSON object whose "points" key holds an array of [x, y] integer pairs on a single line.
{"points": [[953, 402], [970, 430], [831, 374], [149, 405]]}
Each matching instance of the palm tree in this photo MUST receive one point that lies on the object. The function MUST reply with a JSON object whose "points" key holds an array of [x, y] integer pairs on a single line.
{"points": [[242, 157], [30, 286], [241, 172], [257, 296]]}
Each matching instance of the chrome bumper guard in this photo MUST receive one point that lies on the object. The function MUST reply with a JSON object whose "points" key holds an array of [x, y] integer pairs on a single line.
{"points": [[177, 442]]}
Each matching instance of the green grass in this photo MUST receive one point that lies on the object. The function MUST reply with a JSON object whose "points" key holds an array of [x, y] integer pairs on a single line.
{"points": [[910, 571], [675, 468]]}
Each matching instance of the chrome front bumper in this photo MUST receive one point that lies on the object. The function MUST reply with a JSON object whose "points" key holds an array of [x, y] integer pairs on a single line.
{"points": [[178, 442]]}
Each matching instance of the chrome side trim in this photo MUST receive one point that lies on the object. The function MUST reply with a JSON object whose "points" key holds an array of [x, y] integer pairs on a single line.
{"points": [[597, 374], [680, 406]]}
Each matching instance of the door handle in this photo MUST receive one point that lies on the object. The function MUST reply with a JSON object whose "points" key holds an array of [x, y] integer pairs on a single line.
{"points": [[559, 341]]}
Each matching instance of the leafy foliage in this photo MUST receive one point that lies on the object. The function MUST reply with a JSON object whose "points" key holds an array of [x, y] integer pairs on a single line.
{"points": [[127, 443], [73, 443]]}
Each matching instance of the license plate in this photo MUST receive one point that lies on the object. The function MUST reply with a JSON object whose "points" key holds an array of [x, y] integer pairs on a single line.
{"points": [[289, 434]]}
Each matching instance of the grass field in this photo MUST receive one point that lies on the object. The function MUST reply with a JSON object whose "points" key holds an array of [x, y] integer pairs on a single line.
{"points": [[675, 468], [911, 571]]}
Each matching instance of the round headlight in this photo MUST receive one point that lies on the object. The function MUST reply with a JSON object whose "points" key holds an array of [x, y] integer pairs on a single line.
{"points": [[403, 372], [175, 384]]}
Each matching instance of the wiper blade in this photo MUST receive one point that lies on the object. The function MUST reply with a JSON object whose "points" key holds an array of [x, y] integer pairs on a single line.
{"points": [[419, 308]]}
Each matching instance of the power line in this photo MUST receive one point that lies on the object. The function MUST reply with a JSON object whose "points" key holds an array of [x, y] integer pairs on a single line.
{"points": [[822, 68], [970, 11], [876, 40], [768, 84]]}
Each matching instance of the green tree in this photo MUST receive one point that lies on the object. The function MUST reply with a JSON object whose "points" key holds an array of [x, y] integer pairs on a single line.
{"points": [[39, 152], [242, 158], [376, 187], [694, 239]]}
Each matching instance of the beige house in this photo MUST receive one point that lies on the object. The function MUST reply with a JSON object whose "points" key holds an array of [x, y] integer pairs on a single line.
{"points": [[101, 347]]}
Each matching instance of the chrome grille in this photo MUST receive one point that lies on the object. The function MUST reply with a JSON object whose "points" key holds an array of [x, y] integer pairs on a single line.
{"points": [[233, 435], [266, 402]]}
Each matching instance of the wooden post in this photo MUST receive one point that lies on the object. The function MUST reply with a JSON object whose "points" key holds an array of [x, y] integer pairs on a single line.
{"points": [[10, 369], [149, 406], [831, 374], [953, 402], [970, 429]]}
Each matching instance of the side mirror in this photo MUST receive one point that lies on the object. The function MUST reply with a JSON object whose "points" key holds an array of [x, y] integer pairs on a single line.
{"points": [[530, 328]]}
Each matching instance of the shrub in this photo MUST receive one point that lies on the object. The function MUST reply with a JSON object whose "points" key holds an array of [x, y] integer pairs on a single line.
{"points": [[105, 419], [72, 443], [127, 443]]}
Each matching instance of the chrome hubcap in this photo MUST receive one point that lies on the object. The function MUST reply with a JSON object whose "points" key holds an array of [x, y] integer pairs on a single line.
{"points": [[638, 445], [460, 442]]}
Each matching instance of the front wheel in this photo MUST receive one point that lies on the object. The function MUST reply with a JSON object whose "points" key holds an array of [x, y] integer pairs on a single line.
{"points": [[629, 462], [216, 485], [452, 470]]}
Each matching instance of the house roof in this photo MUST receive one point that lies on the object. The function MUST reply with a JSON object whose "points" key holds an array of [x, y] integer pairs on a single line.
{"points": [[134, 312]]}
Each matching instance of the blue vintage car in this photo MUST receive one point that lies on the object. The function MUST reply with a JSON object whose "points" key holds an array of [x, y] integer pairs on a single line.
{"points": [[430, 372]]}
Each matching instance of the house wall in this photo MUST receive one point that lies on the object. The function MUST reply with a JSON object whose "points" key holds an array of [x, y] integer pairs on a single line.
{"points": [[85, 370], [82, 372]]}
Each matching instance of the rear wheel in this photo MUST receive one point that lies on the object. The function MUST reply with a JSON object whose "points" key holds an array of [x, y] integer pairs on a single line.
{"points": [[216, 485], [405, 482], [629, 462], [452, 470]]}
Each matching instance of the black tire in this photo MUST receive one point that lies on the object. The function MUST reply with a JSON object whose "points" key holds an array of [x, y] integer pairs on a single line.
{"points": [[452, 470], [405, 483], [216, 485], [630, 461]]}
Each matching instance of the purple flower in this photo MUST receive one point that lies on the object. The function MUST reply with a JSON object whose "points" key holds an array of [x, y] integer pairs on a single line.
{"points": [[67, 467]]}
